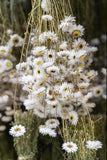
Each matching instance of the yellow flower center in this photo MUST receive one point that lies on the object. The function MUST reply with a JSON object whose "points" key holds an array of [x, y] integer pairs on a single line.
{"points": [[39, 62], [54, 106], [45, 79], [0, 65], [52, 71], [50, 39], [74, 57], [76, 33], [38, 71], [71, 117], [50, 56], [80, 65], [65, 88], [8, 64], [2, 51], [57, 92], [82, 57], [27, 71], [50, 92], [40, 84], [98, 91], [80, 45], [15, 40], [66, 25]]}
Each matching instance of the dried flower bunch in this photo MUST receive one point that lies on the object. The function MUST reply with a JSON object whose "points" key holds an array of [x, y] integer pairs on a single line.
{"points": [[57, 77]]}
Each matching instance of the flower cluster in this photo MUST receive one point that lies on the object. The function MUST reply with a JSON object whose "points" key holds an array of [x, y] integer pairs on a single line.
{"points": [[56, 74], [49, 127], [7, 77]]}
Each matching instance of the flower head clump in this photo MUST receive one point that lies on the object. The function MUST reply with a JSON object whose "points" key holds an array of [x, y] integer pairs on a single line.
{"points": [[93, 144], [8, 74], [44, 130], [56, 75], [17, 131]]}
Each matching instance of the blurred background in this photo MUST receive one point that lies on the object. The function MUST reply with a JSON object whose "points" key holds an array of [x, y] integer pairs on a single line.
{"points": [[89, 13]]}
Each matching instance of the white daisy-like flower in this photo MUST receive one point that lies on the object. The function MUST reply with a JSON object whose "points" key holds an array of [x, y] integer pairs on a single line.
{"points": [[66, 24], [63, 45], [93, 144], [4, 50], [53, 70], [39, 83], [48, 36], [39, 50], [76, 31], [17, 130], [47, 17], [39, 72], [49, 92], [97, 91], [44, 130], [79, 44], [41, 111], [52, 123], [72, 58], [46, 5], [65, 87], [49, 56], [37, 62], [8, 64], [54, 107], [15, 40], [73, 117], [70, 147]]}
